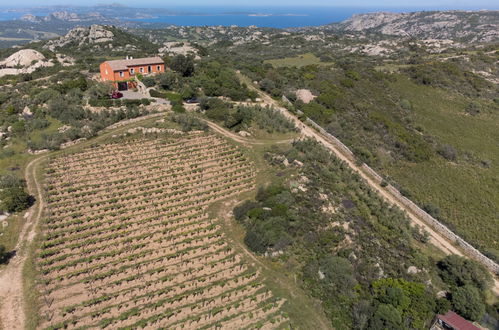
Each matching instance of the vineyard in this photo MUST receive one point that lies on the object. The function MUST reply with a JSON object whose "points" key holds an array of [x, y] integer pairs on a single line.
{"points": [[128, 243]]}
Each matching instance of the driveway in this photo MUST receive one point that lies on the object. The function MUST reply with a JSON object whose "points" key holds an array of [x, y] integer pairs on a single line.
{"points": [[131, 95]]}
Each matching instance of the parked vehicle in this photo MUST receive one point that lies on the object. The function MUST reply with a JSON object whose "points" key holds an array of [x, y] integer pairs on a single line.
{"points": [[116, 95], [192, 100]]}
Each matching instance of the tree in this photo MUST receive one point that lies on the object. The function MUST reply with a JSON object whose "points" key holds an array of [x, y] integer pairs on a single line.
{"points": [[149, 81], [338, 274], [187, 92], [468, 302], [386, 317], [13, 196], [168, 80], [99, 90], [442, 306], [14, 199], [458, 271], [183, 65]]}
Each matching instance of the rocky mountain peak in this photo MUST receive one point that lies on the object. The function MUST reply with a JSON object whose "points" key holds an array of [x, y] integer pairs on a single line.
{"points": [[81, 35], [467, 26], [359, 22]]}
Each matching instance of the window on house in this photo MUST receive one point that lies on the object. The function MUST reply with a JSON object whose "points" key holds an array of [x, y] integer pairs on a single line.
{"points": [[122, 74], [159, 68], [132, 71], [141, 70], [149, 69]]}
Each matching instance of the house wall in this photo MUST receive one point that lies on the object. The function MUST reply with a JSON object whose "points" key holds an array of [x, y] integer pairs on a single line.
{"points": [[117, 76], [154, 68], [108, 74]]}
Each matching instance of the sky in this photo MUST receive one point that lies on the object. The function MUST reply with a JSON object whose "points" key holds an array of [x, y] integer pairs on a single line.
{"points": [[449, 4]]}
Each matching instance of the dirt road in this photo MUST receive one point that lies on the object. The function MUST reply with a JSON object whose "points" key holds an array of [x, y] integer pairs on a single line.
{"points": [[237, 137], [11, 279], [12, 316], [435, 238]]}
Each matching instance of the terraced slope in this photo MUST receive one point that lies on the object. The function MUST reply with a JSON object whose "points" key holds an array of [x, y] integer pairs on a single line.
{"points": [[128, 242]]}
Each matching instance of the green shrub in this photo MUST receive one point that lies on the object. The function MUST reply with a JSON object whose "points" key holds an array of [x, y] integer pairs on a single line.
{"points": [[183, 65], [149, 81], [188, 122], [459, 271], [468, 302], [13, 195], [155, 93], [178, 107]]}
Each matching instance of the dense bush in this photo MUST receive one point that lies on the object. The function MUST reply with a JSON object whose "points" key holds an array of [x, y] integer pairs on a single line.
{"points": [[188, 122], [243, 117], [183, 65], [168, 80], [13, 195], [155, 93], [448, 152], [149, 81], [468, 302], [459, 271]]}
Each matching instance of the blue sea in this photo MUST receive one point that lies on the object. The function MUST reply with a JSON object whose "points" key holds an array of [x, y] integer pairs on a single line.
{"points": [[276, 17]]}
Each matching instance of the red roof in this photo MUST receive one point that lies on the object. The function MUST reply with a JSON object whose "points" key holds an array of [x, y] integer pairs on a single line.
{"points": [[457, 322]]}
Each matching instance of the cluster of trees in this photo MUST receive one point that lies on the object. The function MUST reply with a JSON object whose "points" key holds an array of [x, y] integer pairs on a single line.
{"points": [[201, 78], [468, 281], [243, 117]]}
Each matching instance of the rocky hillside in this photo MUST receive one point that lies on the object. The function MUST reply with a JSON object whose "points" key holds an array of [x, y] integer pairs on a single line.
{"points": [[470, 26], [99, 39]]}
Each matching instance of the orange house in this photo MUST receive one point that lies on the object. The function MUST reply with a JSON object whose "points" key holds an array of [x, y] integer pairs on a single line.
{"points": [[121, 72]]}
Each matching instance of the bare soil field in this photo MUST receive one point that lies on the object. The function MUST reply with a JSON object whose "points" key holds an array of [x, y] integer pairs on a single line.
{"points": [[127, 241]]}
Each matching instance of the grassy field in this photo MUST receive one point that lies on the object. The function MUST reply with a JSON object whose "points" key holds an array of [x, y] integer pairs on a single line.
{"points": [[466, 192], [299, 61]]}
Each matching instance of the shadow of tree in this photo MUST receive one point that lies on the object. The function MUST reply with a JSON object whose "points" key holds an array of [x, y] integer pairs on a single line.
{"points": [[6, 256]]}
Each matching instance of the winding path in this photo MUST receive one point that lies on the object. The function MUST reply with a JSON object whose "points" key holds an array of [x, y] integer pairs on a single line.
{"points": [[12, 309], [11, 279], [238, 138]]}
